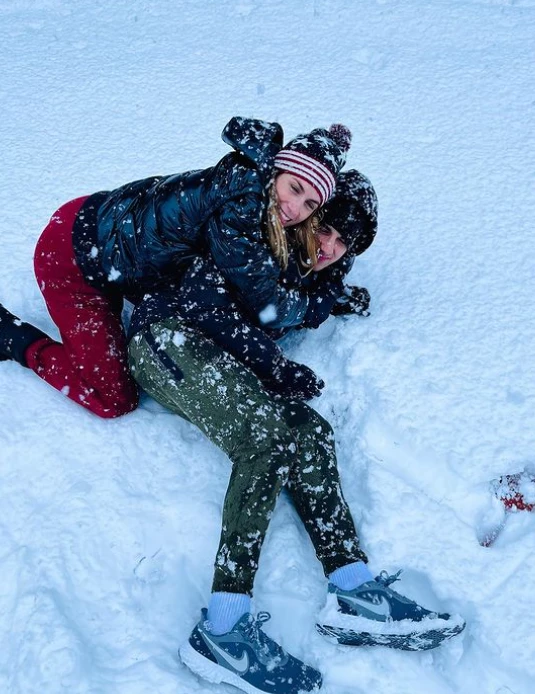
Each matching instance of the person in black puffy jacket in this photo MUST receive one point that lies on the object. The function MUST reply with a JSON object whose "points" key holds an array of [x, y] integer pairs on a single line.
{"points": [[98, 249], [205, 300]]}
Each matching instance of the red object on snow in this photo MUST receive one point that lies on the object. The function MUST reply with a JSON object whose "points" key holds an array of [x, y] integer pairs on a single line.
{"points": [[517, 493], [508, 489]]}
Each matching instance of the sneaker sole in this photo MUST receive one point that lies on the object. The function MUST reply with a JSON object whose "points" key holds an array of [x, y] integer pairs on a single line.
{"points": [[416, 641], [212, 672]]}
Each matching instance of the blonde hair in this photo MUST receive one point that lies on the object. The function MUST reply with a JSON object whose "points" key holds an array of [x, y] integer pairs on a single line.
{"points": [[307, 241], [305, 235]]}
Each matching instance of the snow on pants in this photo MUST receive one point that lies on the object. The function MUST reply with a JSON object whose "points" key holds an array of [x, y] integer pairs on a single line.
{"points": [[271, 444], [90, 364]]}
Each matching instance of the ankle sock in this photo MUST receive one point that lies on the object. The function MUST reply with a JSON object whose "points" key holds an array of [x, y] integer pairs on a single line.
{"points": [[224, 610], [351, 576]]}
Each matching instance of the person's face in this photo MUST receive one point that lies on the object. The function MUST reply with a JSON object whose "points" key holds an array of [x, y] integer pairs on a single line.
{"points": [[296, 199], [331, 247]]}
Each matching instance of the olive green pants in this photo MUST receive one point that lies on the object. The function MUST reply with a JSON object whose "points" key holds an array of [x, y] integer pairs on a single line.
{"points": [[272, 444]]}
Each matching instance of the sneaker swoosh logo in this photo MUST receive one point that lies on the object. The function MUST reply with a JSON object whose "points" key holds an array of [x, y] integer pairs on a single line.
{"points": [[381, 608], [240, 664]]}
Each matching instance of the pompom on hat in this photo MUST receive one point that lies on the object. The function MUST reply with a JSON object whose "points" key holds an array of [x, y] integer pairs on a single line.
{"points": [[353, 211], [317, 157]]}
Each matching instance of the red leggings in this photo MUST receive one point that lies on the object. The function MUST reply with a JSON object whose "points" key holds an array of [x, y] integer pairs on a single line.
{"points": [[90, 365]]}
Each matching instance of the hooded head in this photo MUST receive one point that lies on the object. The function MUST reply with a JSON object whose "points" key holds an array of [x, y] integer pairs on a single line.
{"points": [[316, 158], [352, 211]]}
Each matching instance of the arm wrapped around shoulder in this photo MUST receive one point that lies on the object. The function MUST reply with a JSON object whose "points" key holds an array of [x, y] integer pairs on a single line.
{"points": [[354, 301], [293, 381], [247, 263]]}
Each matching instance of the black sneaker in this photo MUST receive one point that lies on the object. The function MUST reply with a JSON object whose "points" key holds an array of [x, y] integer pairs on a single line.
{"points": [[16, 336], [7, 320], [247, 658], [377, 601], [374, 614]]}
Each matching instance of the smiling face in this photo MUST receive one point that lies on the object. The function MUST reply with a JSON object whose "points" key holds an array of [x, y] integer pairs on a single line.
{"points": [[296, 199], [331, 247]]}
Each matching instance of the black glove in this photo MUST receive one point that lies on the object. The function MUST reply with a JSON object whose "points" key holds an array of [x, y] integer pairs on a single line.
{"points": [[354, 300], [294, 381]]}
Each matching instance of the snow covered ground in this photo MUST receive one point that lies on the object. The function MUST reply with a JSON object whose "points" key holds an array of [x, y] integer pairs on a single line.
{"points": [[108, 528]]}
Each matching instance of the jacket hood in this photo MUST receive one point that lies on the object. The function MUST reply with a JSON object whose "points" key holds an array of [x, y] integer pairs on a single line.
{"points": [[352, 211], [258, 140]]}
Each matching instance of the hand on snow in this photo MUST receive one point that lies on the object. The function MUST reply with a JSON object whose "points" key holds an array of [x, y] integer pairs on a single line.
{"points": [[294, 381], [355, 301]]}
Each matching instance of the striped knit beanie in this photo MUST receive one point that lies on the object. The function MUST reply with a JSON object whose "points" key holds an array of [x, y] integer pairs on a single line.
{"points": [[316, 158]]}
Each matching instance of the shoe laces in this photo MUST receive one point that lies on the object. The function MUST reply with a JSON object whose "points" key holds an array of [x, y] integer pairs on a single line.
{"points": [[269, 652], [255, 625], [385, 579]]}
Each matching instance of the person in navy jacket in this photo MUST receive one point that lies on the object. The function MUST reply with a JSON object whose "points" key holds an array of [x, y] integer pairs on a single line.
{"points": [[99, 249]]}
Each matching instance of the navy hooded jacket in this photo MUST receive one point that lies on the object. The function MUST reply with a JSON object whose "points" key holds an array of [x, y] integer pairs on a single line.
{"points": [[206, 303]]}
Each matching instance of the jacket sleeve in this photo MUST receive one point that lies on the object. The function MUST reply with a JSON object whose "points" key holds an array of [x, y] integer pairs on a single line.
{"points": [[246, 342], [206, 305], [324, 291], [246, 262]]}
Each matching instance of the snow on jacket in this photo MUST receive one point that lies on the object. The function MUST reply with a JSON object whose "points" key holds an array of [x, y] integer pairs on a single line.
{"points": [[205, 301], [144, 234]]}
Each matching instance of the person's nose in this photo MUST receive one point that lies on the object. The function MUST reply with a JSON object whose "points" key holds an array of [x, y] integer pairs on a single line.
{"points": [[328, 248], [293, 209]]}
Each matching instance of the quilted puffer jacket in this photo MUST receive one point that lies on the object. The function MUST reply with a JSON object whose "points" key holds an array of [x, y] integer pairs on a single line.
{"points": [[143, 235]]}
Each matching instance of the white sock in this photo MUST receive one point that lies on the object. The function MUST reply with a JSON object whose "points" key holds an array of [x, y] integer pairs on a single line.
{"points": [[224, 610], [351, 576]]}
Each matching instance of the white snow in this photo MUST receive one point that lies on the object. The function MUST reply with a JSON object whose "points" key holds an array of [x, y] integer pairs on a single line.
{"points": [[108, 529]]}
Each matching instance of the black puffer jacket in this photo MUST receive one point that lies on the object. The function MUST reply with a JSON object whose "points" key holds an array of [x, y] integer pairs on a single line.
{"points": [[204, 301], [143, 235], [323, 289]]}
